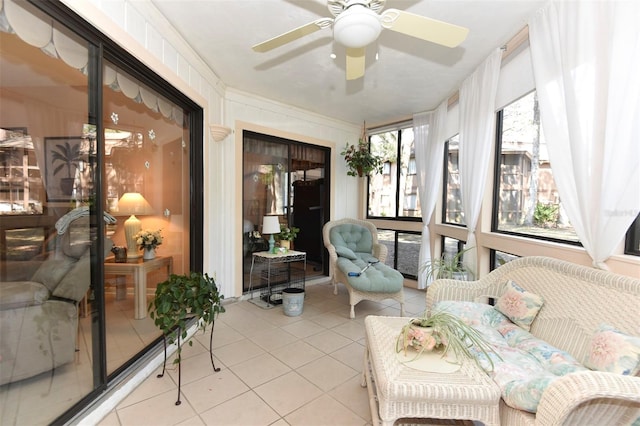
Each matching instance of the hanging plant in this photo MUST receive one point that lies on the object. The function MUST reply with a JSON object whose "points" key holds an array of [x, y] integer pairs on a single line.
{"points": [[361, 161]]}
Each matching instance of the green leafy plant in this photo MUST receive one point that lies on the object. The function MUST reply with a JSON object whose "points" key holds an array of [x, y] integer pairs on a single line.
{"points": [[361, 161], [182, 298], [287, 233], [546, 215], [445, 332], [447, 266]]}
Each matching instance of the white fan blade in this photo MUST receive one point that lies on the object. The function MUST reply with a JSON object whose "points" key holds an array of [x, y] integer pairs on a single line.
{"points": [[355, 63], [292, 35], [424, 28]]}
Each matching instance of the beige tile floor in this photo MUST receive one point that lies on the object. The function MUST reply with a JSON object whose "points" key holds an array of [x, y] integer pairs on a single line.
{"points": [[275, 369]]}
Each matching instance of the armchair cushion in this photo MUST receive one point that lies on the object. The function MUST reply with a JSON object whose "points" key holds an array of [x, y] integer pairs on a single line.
{"points": [[51, 271], [343, 251], [354, 237], [377, 278], [21, 294], [75, 283]]}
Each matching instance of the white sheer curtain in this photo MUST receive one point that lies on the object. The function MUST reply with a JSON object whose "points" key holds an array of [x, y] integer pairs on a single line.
{"points": [[586, 63], [429, 150], [477, 108]]}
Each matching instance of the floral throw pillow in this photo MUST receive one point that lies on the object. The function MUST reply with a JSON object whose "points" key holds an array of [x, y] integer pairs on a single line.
{"points": [[519, 305], [613, 351]]}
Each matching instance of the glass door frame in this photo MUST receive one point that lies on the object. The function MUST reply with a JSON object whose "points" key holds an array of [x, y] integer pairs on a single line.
{"points": [[101, 47]]}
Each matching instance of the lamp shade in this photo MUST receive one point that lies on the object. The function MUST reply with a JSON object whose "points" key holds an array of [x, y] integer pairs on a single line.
{"points": [[270, 225], [133, 203]]}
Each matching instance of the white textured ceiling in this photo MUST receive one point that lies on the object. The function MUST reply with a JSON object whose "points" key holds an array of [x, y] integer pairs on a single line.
{"points": [[410, 75]]}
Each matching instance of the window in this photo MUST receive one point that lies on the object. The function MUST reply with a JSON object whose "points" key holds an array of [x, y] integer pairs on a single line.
{"points": [[452, 198], [526, 200], [499, 258], [403, 251], [394, 193], [632, 243], [21, 188]]}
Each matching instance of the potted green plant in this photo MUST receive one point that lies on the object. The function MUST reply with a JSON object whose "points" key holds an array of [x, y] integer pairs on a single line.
{"points": [[444, 332], [180, 299], [448, 266], [361, 161], [286, 235]]}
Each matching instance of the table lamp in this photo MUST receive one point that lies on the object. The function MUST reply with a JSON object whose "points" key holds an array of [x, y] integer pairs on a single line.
{"points": [[271, 225], [133, 203]]}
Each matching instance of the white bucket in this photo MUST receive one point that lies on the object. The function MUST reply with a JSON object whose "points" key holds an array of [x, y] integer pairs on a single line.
{"points": [[292, 301]]}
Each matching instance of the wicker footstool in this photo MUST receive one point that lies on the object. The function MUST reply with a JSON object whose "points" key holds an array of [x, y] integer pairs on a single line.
{"points": [[398, 391]]}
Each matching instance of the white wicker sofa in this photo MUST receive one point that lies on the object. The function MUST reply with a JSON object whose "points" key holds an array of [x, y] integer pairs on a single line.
{"points": [[577, 300]]}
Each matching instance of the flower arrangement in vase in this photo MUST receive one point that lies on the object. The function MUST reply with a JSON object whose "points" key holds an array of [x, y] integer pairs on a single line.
{"points": [[444, 332], [361, 161], [148, 241]]}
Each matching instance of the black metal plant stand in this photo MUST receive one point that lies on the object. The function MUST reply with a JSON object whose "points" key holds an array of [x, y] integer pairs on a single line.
{"points": [[164, 365]]}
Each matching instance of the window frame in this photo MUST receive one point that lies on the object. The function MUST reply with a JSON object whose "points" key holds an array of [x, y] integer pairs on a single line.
{"points": [[398, 129], [495, 202], [632, 238], [103, 48], [396, 248], [445, 181]]}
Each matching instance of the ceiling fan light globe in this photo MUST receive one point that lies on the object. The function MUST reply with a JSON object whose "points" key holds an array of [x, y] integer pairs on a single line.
{"points": [[356, 27]]}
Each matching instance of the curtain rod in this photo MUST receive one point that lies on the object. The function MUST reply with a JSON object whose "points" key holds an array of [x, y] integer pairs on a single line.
{"points": [[508, 49]]}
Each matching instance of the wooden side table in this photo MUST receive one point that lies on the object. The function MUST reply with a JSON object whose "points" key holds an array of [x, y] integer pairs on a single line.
{"points": [[139, 269]]}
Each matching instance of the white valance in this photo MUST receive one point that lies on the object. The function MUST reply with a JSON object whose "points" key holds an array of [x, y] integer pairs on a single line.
{"points": [[40, 30]]}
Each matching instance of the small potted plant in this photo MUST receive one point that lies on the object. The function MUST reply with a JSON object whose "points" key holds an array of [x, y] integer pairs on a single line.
{"points": [[286, 235], [180, 299], [361, 161], [448, 266]]}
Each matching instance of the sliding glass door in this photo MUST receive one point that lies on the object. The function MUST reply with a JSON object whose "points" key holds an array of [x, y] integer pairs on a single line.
{"points": [[94, 148], [287, 179]]}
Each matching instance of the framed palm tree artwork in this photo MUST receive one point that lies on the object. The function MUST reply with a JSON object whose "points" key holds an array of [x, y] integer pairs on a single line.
{"points": [[66, 159]]}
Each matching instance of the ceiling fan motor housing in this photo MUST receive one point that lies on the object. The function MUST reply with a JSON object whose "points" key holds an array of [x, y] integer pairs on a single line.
{"points": [[356, 27]]}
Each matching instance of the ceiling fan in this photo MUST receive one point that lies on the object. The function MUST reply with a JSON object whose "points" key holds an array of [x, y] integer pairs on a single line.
{"points": [[358, 23]]}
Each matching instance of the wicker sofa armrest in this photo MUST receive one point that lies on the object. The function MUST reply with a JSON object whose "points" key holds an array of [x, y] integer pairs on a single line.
{"points": [[590, 397]]}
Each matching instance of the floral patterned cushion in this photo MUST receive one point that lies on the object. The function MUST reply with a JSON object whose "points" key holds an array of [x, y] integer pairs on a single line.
{"points": [[527, 366], [522, 365], [519, 305], [552, 359], [614, 352]]}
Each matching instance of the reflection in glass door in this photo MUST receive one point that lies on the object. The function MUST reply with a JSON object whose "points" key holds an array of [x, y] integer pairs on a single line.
{"points": [[146, 178], [48, 241]]}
